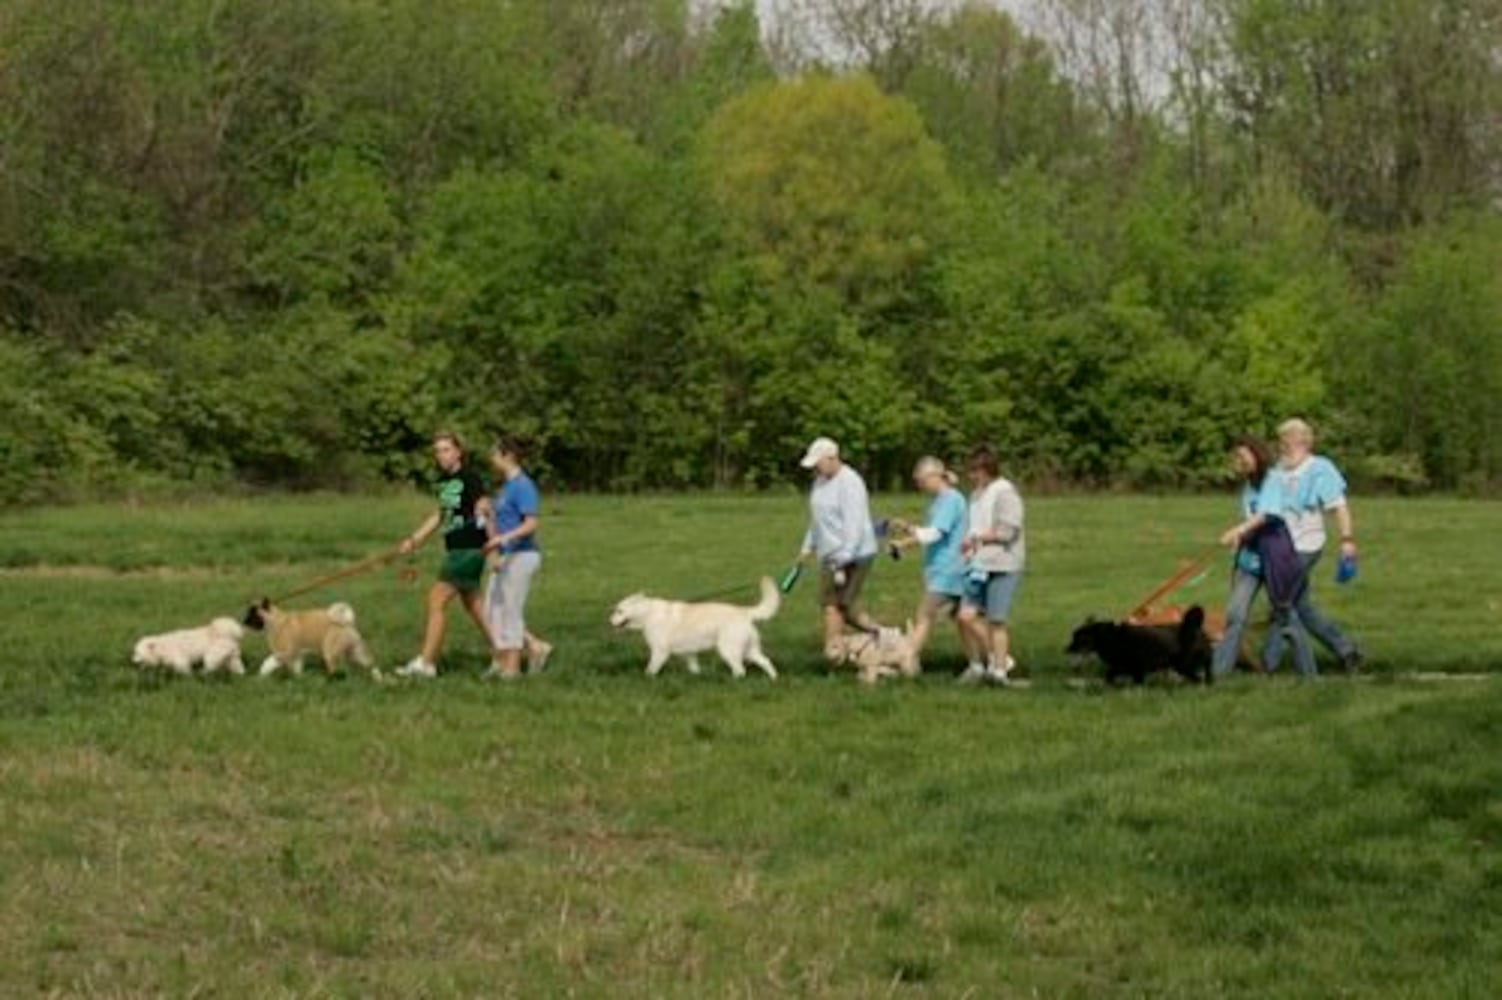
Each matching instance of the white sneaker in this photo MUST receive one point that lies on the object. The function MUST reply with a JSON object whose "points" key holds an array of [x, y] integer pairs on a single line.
{"points": [[497, 674], [419, 668], [974, 674], [998, 677], [538, 655], [1001, 676]]}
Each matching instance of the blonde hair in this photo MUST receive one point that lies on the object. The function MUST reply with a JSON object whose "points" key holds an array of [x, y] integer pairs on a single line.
{"points": [[1298, 429], [928, 465]]}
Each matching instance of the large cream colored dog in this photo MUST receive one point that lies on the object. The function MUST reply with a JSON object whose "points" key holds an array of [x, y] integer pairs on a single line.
{"points": [[678, 628], [215, 645], [294, 635]]}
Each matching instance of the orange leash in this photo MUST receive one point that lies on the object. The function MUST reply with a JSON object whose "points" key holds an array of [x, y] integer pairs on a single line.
{"points": [[1174, 582], [358, 569]]}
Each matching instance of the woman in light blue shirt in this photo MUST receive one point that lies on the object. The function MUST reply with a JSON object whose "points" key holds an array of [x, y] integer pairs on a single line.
{"points": [[942, 535]]}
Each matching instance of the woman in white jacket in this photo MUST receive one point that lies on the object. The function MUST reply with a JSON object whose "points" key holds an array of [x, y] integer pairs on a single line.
{"points": [[997, 550]]}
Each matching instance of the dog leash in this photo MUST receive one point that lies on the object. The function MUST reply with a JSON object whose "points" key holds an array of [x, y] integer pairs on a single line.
{"points": [[785, 584], [358, 569], [1174, 582]]}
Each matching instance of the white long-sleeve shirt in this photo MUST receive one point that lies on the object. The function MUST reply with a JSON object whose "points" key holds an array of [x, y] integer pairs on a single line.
{"points": [[840, 531]]}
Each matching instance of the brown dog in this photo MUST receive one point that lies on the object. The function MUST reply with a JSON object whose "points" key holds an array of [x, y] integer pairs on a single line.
{"points": [[293, 635]]}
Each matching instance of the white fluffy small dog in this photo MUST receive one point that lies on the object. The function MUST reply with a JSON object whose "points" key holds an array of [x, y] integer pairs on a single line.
{"points": [[678, 628], [215, 645], [884, 653]]}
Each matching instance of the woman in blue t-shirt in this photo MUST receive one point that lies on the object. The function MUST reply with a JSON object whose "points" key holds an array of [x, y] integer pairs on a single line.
{"points": [[513, 533], [941, 536]]}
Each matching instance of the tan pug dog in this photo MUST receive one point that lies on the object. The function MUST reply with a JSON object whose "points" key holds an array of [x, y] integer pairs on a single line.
{"points": [[293, 635], [885, 653]]}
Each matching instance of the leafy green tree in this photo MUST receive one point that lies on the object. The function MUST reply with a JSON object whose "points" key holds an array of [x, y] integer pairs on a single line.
{"points": [[827, 182]]}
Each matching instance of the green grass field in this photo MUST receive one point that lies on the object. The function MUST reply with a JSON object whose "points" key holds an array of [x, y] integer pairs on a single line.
{"points": [[592, 833]]}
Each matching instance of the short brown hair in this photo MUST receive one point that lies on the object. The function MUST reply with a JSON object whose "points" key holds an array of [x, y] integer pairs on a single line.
{"points": [[451, 437], [983, 458], [511, 444]]}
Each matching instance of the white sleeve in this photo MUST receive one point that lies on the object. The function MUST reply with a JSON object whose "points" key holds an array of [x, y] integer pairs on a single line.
{"points": [[927, 535]]}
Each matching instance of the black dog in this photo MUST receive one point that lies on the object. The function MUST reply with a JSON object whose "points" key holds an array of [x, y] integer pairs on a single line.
{"points": [[1139, 650]]}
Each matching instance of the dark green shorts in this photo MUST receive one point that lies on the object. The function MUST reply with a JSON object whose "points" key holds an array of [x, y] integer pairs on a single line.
{"points": [[463, 569]]}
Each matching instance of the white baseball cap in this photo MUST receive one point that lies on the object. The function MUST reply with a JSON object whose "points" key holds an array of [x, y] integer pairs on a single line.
{"points": [[821, 449]]}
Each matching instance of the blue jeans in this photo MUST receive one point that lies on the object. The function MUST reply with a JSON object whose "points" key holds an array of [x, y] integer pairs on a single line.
{"points": [[1244, 588], [1314, 621]]}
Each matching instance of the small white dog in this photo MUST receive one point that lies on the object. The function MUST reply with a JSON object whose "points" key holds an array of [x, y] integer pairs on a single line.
{"points": [[677, 628], [215, 645], [884, 653]]}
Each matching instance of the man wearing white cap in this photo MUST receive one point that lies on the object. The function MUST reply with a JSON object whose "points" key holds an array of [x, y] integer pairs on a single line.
{"points": [[840, 537]]}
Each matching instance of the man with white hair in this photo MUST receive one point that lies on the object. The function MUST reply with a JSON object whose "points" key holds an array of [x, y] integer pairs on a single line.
{"points": [[840, 537], [1312, 488]]}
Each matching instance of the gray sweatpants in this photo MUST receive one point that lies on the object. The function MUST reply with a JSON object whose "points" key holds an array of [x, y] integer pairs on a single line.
{"points": [[506, 599]]}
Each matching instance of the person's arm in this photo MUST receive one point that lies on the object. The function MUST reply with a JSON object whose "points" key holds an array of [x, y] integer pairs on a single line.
{"points": [[1269, 503], [1332, 496], [1233, 537], [1347, 526], [1005, 519], [1007, 523], [424, 531], [499, 540]]}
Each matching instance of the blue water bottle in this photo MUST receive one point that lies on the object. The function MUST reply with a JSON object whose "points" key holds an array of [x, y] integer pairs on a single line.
{"points": [[1345, 568]]}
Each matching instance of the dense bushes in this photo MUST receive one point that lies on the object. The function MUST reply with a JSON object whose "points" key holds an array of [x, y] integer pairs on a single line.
{"points": [[283, 247]]}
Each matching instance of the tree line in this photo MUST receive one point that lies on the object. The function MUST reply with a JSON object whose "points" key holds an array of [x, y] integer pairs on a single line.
{"points": [[277, 242]]}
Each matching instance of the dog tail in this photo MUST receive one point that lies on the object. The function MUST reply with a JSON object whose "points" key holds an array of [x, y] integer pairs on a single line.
{"points": [[1192, 625], [771, 600], [342, 614]]}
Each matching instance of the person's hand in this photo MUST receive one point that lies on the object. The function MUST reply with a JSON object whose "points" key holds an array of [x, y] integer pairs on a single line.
{"points": [[969, 545], [1232, 538], [1348, 548], [407, 547], [839, 578]]}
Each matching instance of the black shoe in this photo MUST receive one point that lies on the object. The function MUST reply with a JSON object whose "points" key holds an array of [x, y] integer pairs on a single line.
{"points": [[1353, 661]]}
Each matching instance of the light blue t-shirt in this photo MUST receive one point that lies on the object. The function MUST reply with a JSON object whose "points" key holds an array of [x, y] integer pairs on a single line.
{"points": [[1310, 488], [943, 565], [514, 503], [1266, 499]]}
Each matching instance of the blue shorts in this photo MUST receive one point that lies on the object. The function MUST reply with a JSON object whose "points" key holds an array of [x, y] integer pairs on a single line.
{"points": [[993, 595]]}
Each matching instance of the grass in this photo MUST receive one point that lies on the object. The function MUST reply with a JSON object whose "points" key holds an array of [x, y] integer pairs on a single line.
{"points": [[591, 833]]}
